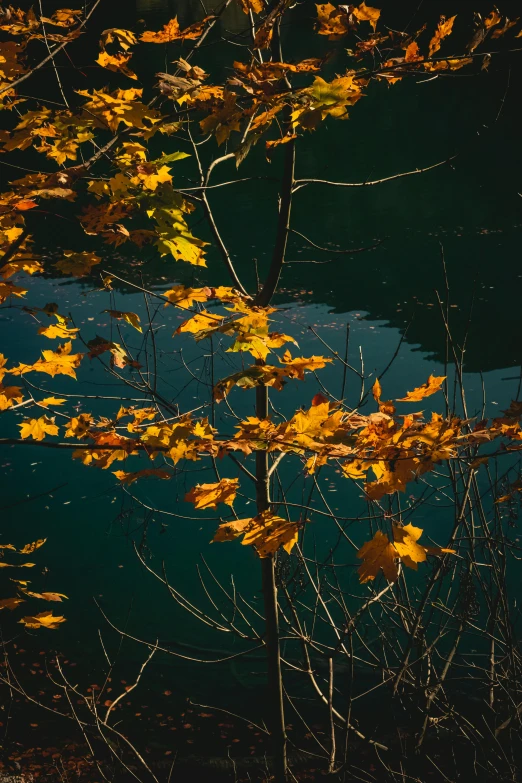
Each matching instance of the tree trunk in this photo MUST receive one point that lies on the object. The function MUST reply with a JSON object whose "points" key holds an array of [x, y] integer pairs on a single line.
{"points": [[275, 682]]}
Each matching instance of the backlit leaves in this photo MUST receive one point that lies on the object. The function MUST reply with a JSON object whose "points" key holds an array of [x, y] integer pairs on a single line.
{"points": [[37, 429], [266, 532], [432, 385], [380, 553], [209, 495], [172, 32], [444, 28], [43, 620], [59, 362]]}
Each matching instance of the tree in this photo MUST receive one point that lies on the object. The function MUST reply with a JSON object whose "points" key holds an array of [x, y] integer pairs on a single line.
{"points": [[106, 169]]}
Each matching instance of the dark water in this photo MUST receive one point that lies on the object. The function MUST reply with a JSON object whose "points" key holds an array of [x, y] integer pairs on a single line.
{"points": [[471, 207]]}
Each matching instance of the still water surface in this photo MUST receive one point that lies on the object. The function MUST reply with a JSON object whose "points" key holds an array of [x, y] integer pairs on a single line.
{"points": [[471, 208]]}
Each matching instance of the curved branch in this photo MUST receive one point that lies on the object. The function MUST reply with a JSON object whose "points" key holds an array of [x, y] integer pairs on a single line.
{"points": [[300, 182], [329, 249]]}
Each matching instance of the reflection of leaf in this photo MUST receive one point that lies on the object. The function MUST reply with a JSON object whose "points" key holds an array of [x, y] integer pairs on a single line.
{"points": [[431, 386], [77, 264], [209, 495], [43, 620], [267, 532]]}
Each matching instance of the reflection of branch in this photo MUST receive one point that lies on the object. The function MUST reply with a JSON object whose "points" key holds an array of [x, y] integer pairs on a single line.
{"points": [[301, 182], [329, 249]]}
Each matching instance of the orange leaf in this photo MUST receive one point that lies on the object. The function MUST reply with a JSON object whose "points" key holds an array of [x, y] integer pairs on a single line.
{"points": [[432, 385], [209, 495]]}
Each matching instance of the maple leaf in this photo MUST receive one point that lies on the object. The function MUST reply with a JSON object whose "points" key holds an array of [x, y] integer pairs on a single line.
{"points": [[116, 62], [33, 546], [130, 478], [125, 38], [77, 264], [58, 331], [266, 532], [45, 596], [251, 5], [184, 297], [43, 620], [22, 263], [48, 401], [130, 318], [79, 426], [333, 22], [295, 368], [59, 362], [37, 429], [172, 32], [9, 289], [444, 29], [9, 395], [10, 603], [209, 495], [365, 13], [432, 385], [64, 17], [376, 554]]}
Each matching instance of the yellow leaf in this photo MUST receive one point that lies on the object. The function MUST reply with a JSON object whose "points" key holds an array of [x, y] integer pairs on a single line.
{"points": [[251, 5], [37, 429], [59, 362], [365, 13], [58, 331], [376, 554], [78, 426], [130, 478], [47, 401], [209, 495], [171, 32], [130, 318], [9, 395], [444, 29], [266, 532], [23, 263], [29, 548], [125, 38], [43, 620], [116, 62], [377, 390], [405, 541], [432, 385], [46, 596]]}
